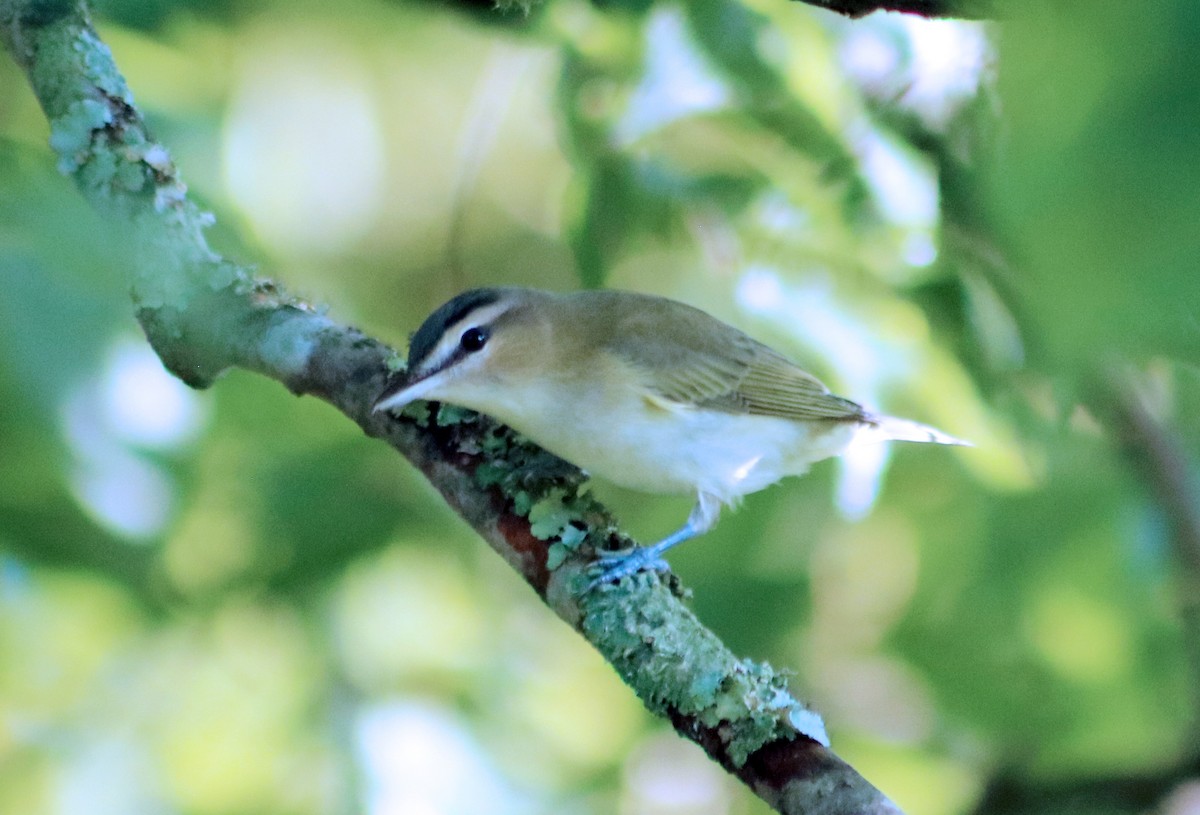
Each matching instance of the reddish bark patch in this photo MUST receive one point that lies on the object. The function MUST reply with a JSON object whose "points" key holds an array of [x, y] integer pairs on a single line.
{"points": [[530, 551]]}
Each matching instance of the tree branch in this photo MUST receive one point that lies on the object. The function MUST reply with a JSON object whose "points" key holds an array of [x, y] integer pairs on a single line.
{"points": [[204, 314], [1156, 455], [963, 9], [1154, 452]]}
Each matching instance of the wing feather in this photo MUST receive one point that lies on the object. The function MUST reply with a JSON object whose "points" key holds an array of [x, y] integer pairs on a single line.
{"points": [[693, 359], [774, 386]]}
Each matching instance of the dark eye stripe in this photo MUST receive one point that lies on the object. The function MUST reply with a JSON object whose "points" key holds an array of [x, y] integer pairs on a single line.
{"points": [[427, 336]]}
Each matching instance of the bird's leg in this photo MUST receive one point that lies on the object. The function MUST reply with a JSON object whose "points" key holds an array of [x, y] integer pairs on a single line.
{"points": [[616, 565]]}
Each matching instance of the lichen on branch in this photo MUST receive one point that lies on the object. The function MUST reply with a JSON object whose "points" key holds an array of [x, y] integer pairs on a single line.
{"points": [[204, 314]]}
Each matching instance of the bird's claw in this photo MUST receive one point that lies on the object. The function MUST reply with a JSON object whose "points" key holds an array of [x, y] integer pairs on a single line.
{"points": [[614, 566]]}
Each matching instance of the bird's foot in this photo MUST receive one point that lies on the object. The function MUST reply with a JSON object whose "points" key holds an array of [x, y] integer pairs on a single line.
{"points": [[614, 566]]}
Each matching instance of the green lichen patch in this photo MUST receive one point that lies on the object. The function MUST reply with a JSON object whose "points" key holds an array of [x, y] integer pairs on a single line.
{"points": [[538, 485], [418, 412], [395, 364], [679, 668], [516, 465], [559, 515], [453, 414], [71, 134], [557, 554]]}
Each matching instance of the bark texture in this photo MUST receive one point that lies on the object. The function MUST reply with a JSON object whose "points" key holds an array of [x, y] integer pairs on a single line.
{"points": [[204, 314]]}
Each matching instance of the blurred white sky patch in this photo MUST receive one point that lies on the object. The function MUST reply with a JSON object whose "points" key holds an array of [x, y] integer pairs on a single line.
{"points": [[919, 249], [871, 51], [107, 774], [927, 66], [129, 496], [1183, 800], [419, 759], [860, 473], [303, 149], [873, 348], [676, 81], [669, 776], [134, 404], [780, 216], [949, 58], [811, 314], [904, 184], [143, 404]]}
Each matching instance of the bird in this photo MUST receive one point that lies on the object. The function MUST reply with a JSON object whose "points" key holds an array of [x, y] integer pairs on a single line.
{"points": [[647, 392]]}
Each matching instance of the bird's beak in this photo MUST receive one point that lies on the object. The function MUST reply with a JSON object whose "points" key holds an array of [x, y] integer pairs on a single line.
{"points": [[401, 391]]}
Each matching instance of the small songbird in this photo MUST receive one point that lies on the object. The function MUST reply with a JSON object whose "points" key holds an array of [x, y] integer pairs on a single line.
{"points": [[649, 393]]}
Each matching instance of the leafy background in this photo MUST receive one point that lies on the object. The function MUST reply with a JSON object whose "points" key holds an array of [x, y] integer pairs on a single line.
{"points": [[231, 601]]}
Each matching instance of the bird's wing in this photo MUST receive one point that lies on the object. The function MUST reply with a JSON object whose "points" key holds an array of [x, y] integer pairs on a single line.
{"points": [[774, 386], [696, 360]]}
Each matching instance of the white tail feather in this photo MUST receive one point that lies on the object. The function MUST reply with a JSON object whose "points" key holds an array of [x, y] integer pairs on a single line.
{"points": [[890, 428]]}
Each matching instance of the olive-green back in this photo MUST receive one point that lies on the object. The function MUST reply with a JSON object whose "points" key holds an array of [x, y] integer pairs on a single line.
{"points": [[686, 356]]}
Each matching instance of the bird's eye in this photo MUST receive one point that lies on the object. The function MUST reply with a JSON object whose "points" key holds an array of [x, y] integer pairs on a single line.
{"points": [[473, 339]]}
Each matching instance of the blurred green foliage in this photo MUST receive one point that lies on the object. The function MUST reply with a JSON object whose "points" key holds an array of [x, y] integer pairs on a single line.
{"points": [[233, 602]]}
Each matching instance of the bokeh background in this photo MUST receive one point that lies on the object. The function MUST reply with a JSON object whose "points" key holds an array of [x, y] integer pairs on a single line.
{"points": [[233, 602]]}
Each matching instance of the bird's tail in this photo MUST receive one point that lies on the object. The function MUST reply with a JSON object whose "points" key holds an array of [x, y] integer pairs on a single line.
{"points": [[890, 428]]}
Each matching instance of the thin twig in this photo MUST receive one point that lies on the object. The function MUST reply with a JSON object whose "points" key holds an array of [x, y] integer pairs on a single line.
{"points": [[962, 9], [1155, 454]]}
